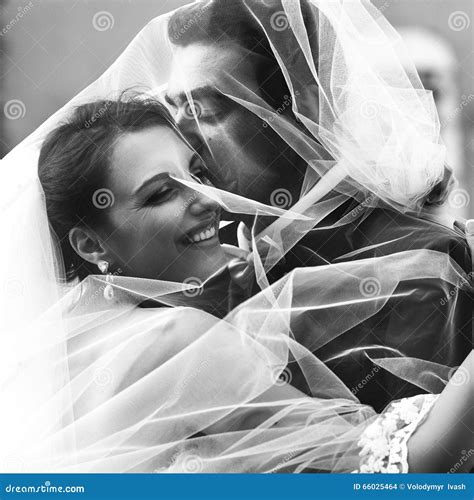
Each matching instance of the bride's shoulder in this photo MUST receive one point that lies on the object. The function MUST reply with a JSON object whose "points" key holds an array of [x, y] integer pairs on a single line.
{"points": [[138, 327], [176, 321], [130, 344], [157, 334]]}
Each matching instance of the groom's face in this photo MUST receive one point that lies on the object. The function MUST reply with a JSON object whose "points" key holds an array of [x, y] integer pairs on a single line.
{"points": [[244, 155]]}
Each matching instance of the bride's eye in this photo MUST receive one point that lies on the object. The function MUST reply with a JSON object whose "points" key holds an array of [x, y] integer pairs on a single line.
{"points": [[161, 196]]}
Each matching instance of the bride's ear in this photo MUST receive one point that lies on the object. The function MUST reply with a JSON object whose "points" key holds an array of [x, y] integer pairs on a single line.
{"points": [[87, 244]]}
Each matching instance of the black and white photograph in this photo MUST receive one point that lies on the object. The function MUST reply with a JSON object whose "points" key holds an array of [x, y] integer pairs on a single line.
{"points": [[237, 237]]}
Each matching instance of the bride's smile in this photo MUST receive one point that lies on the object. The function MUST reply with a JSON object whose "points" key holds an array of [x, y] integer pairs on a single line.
{"points": [[205, 232]]}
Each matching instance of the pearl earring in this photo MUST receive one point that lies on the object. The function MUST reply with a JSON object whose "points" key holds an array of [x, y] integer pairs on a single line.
{"points": [[103, 265]]}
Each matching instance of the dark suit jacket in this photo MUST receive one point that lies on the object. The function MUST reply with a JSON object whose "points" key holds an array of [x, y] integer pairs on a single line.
{"points": [[433, 323]]}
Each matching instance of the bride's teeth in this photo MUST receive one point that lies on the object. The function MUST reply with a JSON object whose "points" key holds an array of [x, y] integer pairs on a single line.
{"points": [[204, 235]]}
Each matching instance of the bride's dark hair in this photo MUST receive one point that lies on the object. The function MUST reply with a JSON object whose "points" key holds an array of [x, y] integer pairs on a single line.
{"points": [[218, 21], [74, 162]]}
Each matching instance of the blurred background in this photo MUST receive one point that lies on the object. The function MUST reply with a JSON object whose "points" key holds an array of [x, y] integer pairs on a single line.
{"points": [[52, 49]]}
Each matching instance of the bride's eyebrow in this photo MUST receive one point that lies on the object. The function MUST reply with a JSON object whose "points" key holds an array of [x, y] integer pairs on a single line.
{"points": [[151, 180]]}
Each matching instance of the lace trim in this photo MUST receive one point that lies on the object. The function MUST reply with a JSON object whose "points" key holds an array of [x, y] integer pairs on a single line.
{"points": [[384, 443]]}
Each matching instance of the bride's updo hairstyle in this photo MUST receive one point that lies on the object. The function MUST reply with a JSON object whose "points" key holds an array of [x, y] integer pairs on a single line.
{"points": [[220, 21], [74, 162]]}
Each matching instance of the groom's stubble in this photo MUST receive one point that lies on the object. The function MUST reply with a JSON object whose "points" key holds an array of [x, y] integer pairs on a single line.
{"points": [[244, 154]]}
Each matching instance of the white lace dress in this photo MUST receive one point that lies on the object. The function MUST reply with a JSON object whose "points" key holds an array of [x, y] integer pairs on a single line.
{"points": [[384, 443]]}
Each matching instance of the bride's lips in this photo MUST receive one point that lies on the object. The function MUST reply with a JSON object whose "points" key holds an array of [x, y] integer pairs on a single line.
{"points": [[205, 233]]}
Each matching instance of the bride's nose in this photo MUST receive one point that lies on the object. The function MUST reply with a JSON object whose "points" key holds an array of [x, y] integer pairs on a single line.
{"points": [[200, 203]]}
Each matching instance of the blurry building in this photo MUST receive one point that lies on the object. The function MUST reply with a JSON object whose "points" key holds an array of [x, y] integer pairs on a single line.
{"points": [[435, 61]]}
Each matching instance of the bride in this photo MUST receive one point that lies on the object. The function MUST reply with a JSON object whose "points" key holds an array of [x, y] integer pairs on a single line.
{"points": [[132, 341], [157, 387]]}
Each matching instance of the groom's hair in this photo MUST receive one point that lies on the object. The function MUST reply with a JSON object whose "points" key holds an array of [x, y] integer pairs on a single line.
{"points": [[219, 21], [74, 162]]}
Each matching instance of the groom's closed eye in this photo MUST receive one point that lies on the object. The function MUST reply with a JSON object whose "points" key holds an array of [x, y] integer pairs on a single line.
{"points": [[205, 103]]}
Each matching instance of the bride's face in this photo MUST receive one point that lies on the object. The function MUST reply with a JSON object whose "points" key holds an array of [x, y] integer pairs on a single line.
{"points": [[156, 227]]}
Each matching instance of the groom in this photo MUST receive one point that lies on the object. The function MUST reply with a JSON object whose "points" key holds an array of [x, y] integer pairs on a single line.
{"points": [[221, 38]]}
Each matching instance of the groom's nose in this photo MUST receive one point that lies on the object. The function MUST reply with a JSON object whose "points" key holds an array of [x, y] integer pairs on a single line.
{"points": [[188, 127]]}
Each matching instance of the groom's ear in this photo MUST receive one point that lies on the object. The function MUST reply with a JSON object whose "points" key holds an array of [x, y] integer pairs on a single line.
{"points": [[88, 245]]}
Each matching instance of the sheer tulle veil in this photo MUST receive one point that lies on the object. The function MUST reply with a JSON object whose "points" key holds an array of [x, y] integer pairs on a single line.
{"points": [[70, 399]]}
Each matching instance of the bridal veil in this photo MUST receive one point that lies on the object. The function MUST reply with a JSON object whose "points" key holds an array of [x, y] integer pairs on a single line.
{"points": [[94, 385]]}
